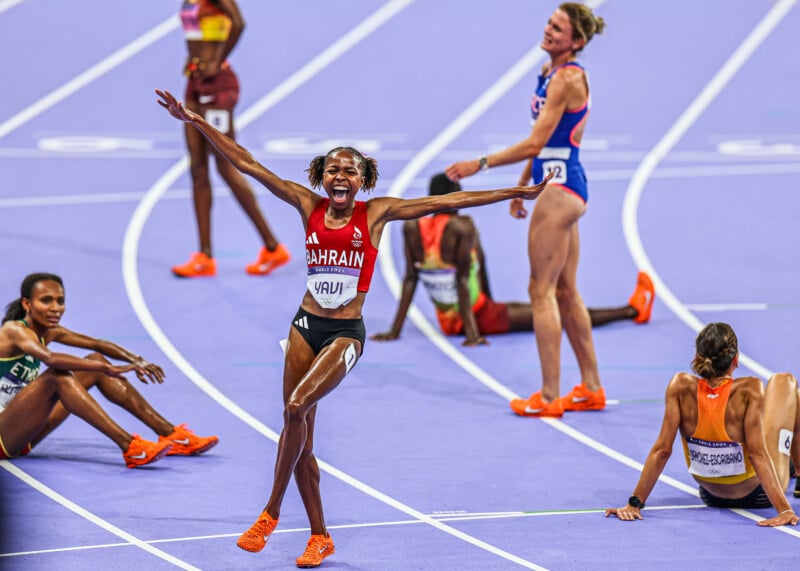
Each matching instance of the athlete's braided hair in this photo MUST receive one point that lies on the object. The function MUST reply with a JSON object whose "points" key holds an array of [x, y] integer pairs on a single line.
{"points": [[14, 310], [369, 168], [716, 347], [584, 22]]}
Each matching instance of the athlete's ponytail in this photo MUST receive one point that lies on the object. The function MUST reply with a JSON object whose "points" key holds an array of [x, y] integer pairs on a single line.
{"points": [[585, 24]]}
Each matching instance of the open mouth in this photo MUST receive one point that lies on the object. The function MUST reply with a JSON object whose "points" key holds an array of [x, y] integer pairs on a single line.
{"points": [[340, 193]]}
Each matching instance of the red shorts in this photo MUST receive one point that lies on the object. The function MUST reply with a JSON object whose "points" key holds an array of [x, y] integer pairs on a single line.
{"points": [[4, 455], [218, 92], [492, 318]]}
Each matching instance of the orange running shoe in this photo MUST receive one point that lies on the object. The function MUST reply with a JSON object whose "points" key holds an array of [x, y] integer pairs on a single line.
{"points": [[581, 398], [642, 298], [187, 443], [268, 261], [255, 538], [199, 265], [535, 406], [317, 549], [141, 451]]}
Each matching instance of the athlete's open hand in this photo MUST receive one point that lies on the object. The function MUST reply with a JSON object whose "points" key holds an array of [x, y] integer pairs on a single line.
{"points": [[479, 340], [148, 372], [786, 518], [627, 513], [387, 336], [175, 107]]}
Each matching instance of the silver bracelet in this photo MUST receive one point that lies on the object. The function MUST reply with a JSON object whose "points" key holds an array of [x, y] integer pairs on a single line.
{"points": [[786, 511]]}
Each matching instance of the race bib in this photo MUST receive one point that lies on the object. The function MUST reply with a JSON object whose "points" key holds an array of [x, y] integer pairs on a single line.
{"points": [[8, 390], [333, 286], [715, 459], [440, 284]]}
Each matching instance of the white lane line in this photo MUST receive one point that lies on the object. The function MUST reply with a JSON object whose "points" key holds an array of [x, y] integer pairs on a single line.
{"points": [[133, 286], [668, 141], [99, 522], [391, 275], [115, 59], [465, 516], [6, 4]]}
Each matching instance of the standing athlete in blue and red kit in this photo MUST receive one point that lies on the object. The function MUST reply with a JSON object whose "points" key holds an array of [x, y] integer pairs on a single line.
{"points": [[560, 109], [327, 334]]}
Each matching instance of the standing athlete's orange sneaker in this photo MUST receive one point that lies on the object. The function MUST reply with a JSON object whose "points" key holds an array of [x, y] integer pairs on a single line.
{"points": [[187, 443], [268, 261], [255, 538], [199, 265], [141, 451], [317, 549], [535, 406], [581, 398], [642, 298]]}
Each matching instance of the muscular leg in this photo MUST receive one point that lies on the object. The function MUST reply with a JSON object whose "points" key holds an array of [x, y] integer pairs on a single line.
{"points": [[117, 391], [27, 415], [575, 317], [245, 196], [554, 215], [323, 375], [306, 474], [201, 183], [781, 413]]}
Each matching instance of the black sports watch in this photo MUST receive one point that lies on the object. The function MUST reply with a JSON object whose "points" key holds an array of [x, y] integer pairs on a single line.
{"points": [[483, 163], [635, 502]]}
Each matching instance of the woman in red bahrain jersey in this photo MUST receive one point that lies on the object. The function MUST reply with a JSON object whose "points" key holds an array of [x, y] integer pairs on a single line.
{"points": [[327, 333]]}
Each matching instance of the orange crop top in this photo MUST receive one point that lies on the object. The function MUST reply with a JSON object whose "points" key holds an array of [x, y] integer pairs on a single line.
{"points": [[710, 453]]}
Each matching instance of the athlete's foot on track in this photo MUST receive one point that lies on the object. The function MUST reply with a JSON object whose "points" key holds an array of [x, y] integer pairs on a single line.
{"points": [[642, 298], [535, 406]]}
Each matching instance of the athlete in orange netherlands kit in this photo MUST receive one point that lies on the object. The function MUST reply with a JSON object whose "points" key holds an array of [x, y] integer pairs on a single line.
{"points": [[737, 437]]}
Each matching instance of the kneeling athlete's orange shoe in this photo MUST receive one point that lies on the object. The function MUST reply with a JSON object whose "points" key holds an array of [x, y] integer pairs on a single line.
{"points": [[317, 549], [187, 443], [535, 406], [199, 265], [581, 398], [255, 538], [268, 261], [141, 451], [642, 298]]}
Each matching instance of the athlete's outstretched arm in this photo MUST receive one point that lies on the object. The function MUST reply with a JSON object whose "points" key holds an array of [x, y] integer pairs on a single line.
{"points": [[389, 208], [659, 454], [145, 370], [297, 195], [24, 340]]}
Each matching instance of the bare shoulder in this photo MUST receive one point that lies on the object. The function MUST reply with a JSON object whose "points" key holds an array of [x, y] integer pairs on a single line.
{"points": [[571, 76], [682, 383], [749, 387], [11, 333]]}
